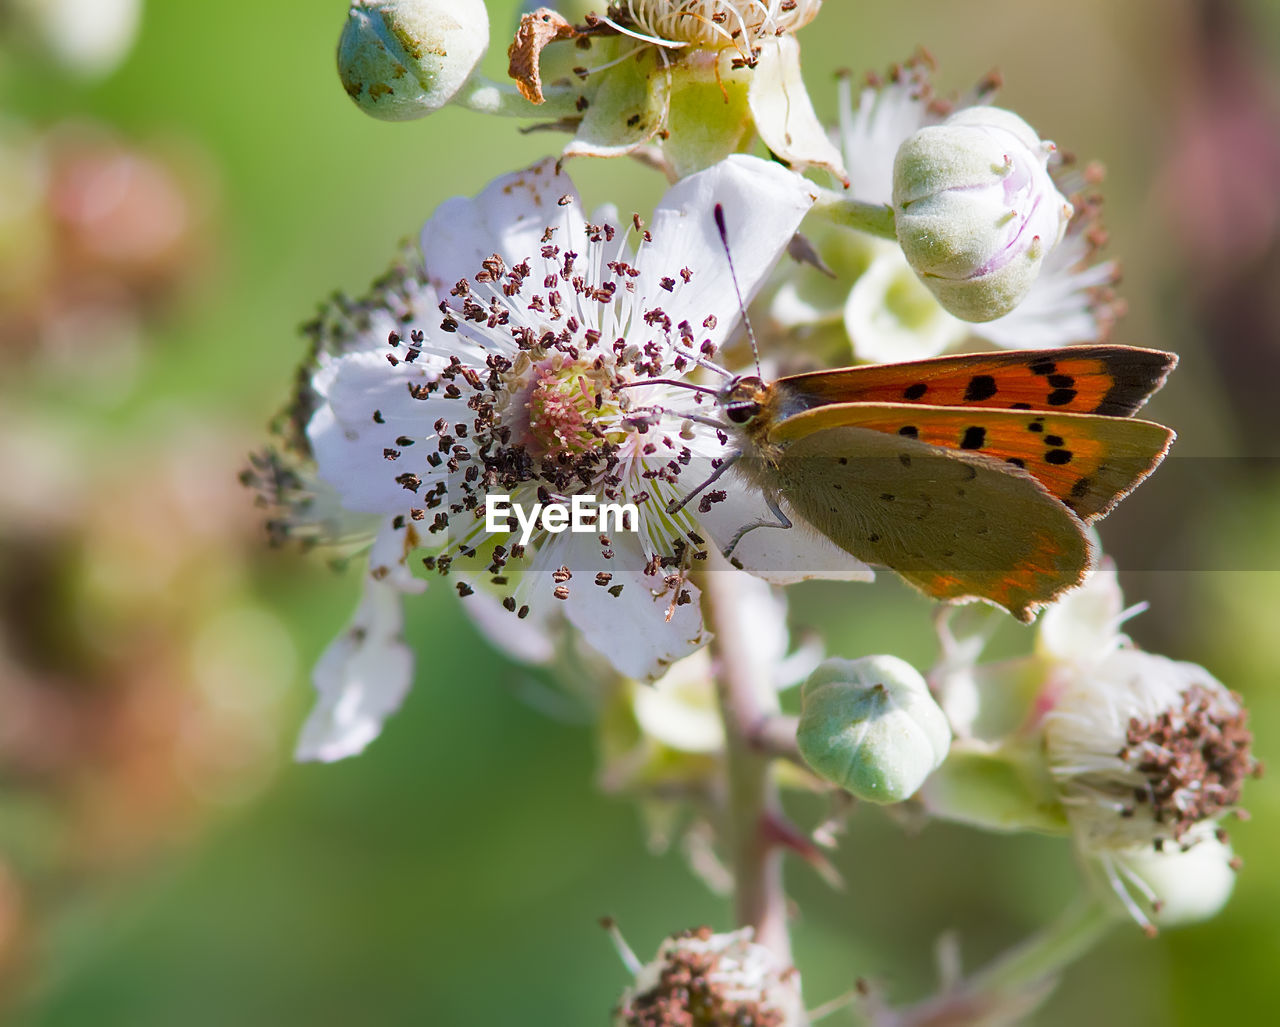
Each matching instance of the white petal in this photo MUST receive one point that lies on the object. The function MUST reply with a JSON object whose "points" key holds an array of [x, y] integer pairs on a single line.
{"points": [[763, 203], [365, 673], [1084, 626], [791, 307], [1190, 884], [679, 709], [764, 611], [782, 110], [348, 443], [780, 556], [891, 316], [640, 631], [508, 218], [527, 639], [885, 118]]}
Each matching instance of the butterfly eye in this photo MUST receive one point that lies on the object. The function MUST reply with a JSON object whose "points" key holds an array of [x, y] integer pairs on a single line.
{"points": [[742, 411]]}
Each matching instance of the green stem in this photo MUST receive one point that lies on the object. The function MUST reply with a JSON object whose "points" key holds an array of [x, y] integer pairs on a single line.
{"points": [[1064, 941], [873, 218], [484, 96], [747, 699], [1013, 984], [775, 735]]}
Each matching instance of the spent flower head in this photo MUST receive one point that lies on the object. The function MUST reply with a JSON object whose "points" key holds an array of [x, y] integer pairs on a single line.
{"points": [[1136, 751], [700, 977], [682, 83]]}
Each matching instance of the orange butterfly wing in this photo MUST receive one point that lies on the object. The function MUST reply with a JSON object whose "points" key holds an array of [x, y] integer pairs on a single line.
{"points": [[1113, 381], [1086, 461]]}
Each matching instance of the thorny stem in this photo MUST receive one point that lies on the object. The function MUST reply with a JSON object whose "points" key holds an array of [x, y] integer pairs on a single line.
{"points": [[873, 218], [746, 700], [484, 96], [1014, 983]]}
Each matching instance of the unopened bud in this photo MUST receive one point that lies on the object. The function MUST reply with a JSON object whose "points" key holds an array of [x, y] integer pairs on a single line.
{"points": [[976, 210], [871, 727], [403, 59]]}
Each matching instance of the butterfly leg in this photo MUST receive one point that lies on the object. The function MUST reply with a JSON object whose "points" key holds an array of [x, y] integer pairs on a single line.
{"points": [[782, 521], [729, 461]]}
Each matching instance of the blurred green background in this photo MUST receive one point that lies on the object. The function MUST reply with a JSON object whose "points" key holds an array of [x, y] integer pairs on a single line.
{"points": [[456, 873]]}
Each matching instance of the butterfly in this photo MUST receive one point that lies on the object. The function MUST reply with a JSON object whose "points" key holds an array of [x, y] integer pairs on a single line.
{"points": [[971, 476]]}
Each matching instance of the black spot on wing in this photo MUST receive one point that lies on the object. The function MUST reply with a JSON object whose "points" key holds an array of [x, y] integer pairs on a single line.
{"points": [[1058, 456], [1061, 397], [974, 437], [909, 430], [981, 386], [915, 391]]}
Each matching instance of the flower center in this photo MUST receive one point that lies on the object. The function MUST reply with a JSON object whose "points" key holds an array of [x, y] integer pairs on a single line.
{"points": [[1195, 759], [559, 407]]}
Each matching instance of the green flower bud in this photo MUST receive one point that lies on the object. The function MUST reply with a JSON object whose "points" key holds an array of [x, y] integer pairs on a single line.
{"points": [[872, 727], [403, 59], [976, 210]]}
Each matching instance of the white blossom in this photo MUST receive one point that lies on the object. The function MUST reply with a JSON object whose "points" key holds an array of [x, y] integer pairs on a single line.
{"points": [[535, 355]]}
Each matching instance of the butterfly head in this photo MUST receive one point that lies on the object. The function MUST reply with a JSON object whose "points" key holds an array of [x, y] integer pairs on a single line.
{"points": [[743, 400]]}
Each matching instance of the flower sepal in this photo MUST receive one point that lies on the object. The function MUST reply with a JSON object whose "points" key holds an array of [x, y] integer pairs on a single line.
{"points": [[1001, 788]]}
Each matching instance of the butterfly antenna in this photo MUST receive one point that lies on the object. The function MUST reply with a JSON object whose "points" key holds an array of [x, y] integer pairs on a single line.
{"points": [[702, 361], [667, 381], [733, 273]]}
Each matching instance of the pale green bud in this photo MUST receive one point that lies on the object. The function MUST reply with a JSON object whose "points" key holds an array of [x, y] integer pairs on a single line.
{"points": [[403, 59], [871, 727], [976, 210]]}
